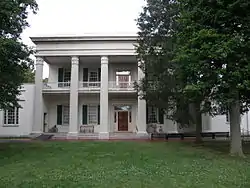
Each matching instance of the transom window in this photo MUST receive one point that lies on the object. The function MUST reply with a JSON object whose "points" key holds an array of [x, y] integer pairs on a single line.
{"points": [[92, 114], [11, 116], [152, 114]]}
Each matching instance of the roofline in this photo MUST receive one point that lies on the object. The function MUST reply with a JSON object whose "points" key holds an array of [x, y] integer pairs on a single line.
{"points": [[37, 39]]}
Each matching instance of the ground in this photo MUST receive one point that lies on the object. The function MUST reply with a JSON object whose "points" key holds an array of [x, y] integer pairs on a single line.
{"points": [[121, 164]]}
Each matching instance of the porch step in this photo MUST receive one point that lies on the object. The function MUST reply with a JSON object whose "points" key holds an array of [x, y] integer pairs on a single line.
{"points": [[44, 137], [127, 136]]}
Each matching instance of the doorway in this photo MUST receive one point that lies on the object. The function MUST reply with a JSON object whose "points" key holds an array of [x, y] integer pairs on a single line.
{"points": [[123, 121]]}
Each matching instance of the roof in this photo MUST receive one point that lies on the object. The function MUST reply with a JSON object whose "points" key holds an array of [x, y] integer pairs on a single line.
{"points": [[86, 37]]}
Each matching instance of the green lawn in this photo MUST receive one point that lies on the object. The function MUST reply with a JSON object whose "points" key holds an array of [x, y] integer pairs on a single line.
{"points": [[120, 164]]}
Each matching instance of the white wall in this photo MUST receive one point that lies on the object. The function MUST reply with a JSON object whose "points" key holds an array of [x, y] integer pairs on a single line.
{"points": [[51, 103], [87, 100], [25, 114]]}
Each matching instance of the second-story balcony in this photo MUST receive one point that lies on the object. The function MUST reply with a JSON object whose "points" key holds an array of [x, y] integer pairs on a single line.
{"points": [[90, 86], [56, 86], [121, 86]]}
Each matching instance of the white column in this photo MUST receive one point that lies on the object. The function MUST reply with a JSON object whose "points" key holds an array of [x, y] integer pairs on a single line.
{"points": [[141, 113], [104, 103], [38, 103], [73, 109]]}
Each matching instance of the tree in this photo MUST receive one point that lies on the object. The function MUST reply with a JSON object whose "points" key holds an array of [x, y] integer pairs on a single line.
{"points": [[29, 76], [166, 83], [216, 34], [14, 55]]}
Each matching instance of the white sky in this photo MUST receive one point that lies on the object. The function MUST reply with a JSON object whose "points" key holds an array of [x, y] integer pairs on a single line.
{"points": [[79, 17]]}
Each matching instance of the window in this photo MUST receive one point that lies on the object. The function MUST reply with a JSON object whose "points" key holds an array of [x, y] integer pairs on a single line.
{"points": [[92, 114], [93, 78], [65, 115], [11, 116], [152, 115], [123, 79]]}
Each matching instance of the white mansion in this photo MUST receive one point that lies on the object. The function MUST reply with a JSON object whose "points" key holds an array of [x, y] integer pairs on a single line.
{"points": [[90, 90]]}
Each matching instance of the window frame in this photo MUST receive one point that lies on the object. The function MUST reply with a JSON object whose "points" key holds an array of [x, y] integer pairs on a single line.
{"points": [[15, 115], [95, 110], [156, 110], [65, 116]]}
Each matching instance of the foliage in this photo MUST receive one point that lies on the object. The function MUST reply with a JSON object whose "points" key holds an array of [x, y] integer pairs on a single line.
{"points": [[29, 76], [14, 55]]}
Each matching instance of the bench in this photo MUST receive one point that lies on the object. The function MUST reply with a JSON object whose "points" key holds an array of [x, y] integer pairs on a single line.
{"points": [[166, 136]]}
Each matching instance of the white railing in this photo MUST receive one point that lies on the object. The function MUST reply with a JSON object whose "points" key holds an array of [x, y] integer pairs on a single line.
{"points": [[56, 85], [121, 86], [90, 85]]}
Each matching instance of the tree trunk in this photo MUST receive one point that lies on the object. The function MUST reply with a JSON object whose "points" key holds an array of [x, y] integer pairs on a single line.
{"points": [[236, 142], [194, 109]]}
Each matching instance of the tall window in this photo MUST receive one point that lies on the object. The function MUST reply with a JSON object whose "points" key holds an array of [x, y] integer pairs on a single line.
{"points": [[92, 114], [152, 115], [93, 77], [65, 115], [11, 116]]}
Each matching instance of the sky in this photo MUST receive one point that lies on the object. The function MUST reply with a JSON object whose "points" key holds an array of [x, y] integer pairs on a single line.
{"points": [[79, 17]]}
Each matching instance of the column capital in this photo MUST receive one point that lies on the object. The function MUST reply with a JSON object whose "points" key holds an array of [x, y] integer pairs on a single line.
{"points": [[104, 60], [39, 60], [75, 60]]}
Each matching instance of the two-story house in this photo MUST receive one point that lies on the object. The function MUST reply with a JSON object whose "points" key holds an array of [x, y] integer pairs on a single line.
{"points": [[90, 89]]}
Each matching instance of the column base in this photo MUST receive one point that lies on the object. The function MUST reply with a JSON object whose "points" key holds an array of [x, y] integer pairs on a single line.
{"points": [[72, 135], [104, 135], [142, 135]]}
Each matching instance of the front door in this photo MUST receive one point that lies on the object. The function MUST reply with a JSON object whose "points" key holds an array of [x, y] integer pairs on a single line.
{"points": [[123, 121]]}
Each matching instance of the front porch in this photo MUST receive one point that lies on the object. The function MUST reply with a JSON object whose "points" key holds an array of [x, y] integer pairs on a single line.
{"points": [[122, 115]]}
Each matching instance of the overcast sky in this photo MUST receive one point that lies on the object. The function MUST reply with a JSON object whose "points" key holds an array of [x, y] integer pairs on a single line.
{"points": [[79, 17]]}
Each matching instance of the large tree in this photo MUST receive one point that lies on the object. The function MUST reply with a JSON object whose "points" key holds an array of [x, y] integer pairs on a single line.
{"points": [[167, 84], [216, 34], [199, 55], [14, 54]]}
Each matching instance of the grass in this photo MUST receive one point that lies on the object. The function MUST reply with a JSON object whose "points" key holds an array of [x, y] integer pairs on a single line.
{"points": [[120, 165]]}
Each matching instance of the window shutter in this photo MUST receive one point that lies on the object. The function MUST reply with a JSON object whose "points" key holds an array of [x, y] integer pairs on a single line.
{"points": [[147, 114], [161, 116], [84, 114], [99, 74], [59, 114], [60, 74], [85, 74], [98, 114]]}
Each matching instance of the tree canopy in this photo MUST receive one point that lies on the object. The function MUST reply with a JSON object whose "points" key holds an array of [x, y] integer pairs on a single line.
{"points": [[197, 53], [14, 54]]}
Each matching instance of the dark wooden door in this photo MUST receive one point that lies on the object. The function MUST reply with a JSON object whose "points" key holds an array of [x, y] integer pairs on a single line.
{"points": [[123, 121]]}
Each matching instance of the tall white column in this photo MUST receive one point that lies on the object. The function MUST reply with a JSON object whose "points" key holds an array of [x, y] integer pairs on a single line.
{"points": [[38, 103], [73, 109], [104, 103], [141, 113]]}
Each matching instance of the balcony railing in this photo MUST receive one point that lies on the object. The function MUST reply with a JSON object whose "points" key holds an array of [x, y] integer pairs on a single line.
{"points": [[56, 85], [90, 86], [121, 86]]}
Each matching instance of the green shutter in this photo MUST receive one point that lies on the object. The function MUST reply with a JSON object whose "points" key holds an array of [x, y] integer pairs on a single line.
{"points": [[60, 74], [161, 116], [85, 74], [147, 114], [98, 114], [59, 114], [99, 74], [84, 114]]}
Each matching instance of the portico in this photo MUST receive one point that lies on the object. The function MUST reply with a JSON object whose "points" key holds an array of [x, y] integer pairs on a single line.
{"points": [[89, 68]]}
